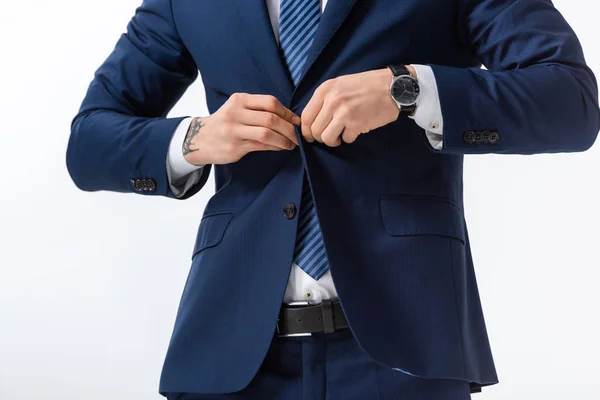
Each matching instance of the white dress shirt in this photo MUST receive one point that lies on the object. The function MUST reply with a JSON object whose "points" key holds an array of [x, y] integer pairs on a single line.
{"points": [[301, 286]]}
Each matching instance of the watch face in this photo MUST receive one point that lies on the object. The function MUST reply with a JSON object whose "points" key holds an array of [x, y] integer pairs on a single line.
{"points": [[405, 90]]}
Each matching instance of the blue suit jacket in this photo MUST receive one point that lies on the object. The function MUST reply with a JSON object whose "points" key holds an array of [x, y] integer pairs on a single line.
{"points": [[390, 206]]}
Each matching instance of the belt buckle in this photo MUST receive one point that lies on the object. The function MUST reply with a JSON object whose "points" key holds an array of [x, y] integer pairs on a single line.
{"points": [[292, 305]]}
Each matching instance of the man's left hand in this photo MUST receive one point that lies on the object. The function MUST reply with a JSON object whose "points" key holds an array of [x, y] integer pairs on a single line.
{"points": [[344, 107]]}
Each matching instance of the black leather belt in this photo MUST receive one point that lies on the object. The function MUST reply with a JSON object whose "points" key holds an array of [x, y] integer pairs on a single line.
{"points": [[302, 319]]}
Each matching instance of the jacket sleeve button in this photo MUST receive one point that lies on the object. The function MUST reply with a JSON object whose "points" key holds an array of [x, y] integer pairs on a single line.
{"points": [[494, 137], [478, 137], [485, 136], [151, 185], [137, 184], [469, 137]]}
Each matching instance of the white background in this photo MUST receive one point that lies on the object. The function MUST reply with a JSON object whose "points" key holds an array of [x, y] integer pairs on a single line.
{"points": [[90, 282]]}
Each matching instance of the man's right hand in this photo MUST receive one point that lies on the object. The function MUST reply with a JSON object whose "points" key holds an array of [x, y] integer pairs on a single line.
{"points": [[245, 123]]}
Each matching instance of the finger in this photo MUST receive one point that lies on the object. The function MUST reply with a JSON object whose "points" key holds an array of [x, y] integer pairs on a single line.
{"points": [[323, 119], [252, 145], [267, 102], [267, 136], [332, 134], [310, 113], [269, 120], [350, 136]]}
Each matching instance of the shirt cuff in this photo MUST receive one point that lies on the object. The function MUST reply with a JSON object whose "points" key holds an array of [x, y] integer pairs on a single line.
{"points": [[429, 110], [177, 166]]}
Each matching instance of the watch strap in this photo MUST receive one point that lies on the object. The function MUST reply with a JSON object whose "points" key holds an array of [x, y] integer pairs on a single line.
{"points": [[408, 111], [399, 69]]}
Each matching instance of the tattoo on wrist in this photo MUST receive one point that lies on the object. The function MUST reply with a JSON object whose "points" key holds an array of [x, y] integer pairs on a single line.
{"points": [[192, 132]]}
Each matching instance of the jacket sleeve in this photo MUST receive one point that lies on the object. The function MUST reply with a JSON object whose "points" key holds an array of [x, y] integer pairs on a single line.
{"points": [[537, 94], [121, 133]]}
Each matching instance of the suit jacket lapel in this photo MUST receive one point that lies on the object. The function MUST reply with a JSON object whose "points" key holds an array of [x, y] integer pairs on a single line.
{"points": [[257, 32], [334, 14]]}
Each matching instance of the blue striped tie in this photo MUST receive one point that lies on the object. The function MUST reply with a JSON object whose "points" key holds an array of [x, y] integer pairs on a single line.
{"points": [[298, 22]]}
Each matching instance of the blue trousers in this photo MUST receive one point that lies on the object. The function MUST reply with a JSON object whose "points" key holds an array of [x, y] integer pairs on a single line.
{"points": [[332, 367]]}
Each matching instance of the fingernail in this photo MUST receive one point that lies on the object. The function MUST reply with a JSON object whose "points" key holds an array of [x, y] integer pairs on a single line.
{"points": [[297, 120]]}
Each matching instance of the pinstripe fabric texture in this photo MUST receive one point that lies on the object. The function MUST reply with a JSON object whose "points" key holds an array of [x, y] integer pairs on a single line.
{"points": [[298, 22], [333, 366]]}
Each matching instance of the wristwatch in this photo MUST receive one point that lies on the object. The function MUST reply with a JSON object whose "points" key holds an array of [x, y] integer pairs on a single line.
{"points": [[404, 90]]}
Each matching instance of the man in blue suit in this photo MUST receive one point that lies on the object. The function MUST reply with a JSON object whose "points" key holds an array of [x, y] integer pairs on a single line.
{"points": [[336, 135]]}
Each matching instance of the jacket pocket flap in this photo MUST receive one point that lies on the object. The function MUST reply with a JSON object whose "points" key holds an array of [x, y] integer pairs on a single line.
{"points": [[404, 216], [211, 231]]}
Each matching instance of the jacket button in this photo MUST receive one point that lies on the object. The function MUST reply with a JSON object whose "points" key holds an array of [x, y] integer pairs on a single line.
{"points": [[151, 185], [469, 137], [485, 136], [289, 210], [494, 137], [137, 184], [478, 137]]}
